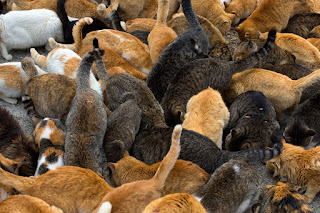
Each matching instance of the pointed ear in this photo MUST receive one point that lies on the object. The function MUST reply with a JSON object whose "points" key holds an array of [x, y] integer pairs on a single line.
{"points": [[236, 133], [237, 29], [226, 4], [310, 132], [283, 140], [231, 15], [112, 166], [125, 153]]}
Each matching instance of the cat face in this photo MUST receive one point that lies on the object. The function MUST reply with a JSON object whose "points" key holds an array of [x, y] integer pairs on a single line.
{"points": [[244, 49], [298, 133]]}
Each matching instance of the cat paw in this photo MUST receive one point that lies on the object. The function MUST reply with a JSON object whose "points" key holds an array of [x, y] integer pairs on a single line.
{"points": [[8, 57]]}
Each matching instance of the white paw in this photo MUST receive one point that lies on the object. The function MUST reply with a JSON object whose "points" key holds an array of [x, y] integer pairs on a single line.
{"points": [[8, 57]]}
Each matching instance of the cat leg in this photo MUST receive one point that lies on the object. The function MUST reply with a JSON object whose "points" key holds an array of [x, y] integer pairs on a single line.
{"points": [[311, 192], [4, 52], [10, 100]]}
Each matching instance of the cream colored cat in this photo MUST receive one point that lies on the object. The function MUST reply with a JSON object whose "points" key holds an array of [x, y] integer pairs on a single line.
{"points": [[241, 9], [207, 114], [283, 92]]}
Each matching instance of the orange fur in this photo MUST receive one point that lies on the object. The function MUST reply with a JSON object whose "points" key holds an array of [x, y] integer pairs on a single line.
{"points": [[241, 9], [146, 24], [315, 42]]}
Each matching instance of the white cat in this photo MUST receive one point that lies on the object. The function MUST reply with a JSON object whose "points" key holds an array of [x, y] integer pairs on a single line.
{"points": [[28, 28]]}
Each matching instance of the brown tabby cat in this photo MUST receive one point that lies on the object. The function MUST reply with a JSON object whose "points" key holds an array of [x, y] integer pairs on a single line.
{"points": [[185, 177], [26, 204], [172, 203], [135, 196], [301, 167], [281, 198], [283, 92]]}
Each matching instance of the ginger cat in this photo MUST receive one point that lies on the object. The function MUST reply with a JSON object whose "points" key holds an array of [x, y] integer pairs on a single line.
{"points": [[273, 14], [185, 177], [300, 165], [49, 136], [314, 33], [283, 92], [315, 42], [172, 203], [27, 204], [146, 24], [241, 9], [135, 196], [161, 35], [207, 114]]}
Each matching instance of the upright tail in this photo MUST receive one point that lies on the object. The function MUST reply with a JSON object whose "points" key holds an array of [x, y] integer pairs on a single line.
{"points": [[163, 10], [170, 159], [189, 13], [39, 59], [17, 182], [307, 80], [61, 12], [254, 58], [100, 68], [29, 67]]}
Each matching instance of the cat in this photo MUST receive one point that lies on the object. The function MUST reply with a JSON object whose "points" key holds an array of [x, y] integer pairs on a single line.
{"points": [[49, 136], [146, 24], [185, 177], [272, 15], [314, 33], [233, 187], [252, 122], [135, 196], [207, 114], [178, 202], [315, 42], [302, 128], [281, 197], [205, 72], [27, 204], [84, 137], [240, 9], [20, 30], [66, 179], [285, 101], [161, 35], [13, 81], [184, 48], [16, 145], [301, 167], [194, 147]]}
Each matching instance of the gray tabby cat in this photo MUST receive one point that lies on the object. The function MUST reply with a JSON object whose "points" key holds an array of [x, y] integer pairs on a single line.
{"points": [[86, 122]]}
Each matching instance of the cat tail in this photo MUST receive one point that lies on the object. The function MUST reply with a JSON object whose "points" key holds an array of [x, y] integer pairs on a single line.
{"points": [[189, 13], [61, 12], [100, 68], [39, 59], [162, 14], [170, 159], [307, 80], [31, 111], [251, 60], [17, 182], [106, 13], [29, 67]]}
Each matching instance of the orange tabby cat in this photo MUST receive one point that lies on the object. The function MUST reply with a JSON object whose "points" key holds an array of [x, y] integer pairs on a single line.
{"points": [[241, 9], [179, 202], [135, 196], [207, 114], [314, 33], [146, 24], [27, 204], [315, 42], [283, 92], [185, 176], [161, 35], [300, 165]]}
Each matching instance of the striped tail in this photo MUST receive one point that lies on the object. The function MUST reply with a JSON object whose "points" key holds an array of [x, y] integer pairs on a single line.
{"points": [[39, 59], [29, 67], [28, 105], [170, 159], [307, 81], [189, 13]]}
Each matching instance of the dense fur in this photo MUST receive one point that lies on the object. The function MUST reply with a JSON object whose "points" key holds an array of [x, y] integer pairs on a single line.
{"points": [[185, 177], [233, 187], [252, 122], [135, 196], [301, 167], [197, 75], [283, 92], [241, 9], [207, 114], [20, 29], [183, 49]]}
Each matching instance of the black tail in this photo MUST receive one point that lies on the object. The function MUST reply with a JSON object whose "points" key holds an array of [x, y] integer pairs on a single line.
{"points": [[189, 13], [61, 12], [251, 60], [95, 43]]}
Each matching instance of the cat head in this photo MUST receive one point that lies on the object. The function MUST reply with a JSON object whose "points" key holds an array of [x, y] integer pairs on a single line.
{"points": [[244, 49], [282, 198], [298, 133], [223, 23], [246, 34]]}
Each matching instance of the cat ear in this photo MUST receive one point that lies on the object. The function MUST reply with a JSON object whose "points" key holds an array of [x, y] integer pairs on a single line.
{"points": [[310, 132], [237, 29], [226, 4], [125, 153], [112, 166], [231, 15], [255, 208], [236, 133]]}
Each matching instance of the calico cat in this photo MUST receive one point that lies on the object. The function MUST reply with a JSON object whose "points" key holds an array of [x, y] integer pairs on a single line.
{"points": [[17, 146], [233, 187], [301, 167], [194, 147], [281, 197], [178, 202], [185, 177], [241, 9], [135, 196], [258, 79], [252, 122], [49, 136], [123, 126], [302, 128], [161, 35], [207, 114], [184, 48], [207, 72], [76, 197], [84, 137], [27, 204], [20, 29]]}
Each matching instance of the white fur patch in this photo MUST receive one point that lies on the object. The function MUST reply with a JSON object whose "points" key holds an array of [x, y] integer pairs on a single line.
{"points": [[145, 70], [105, 207], [4, 195], [9, 92], [46, 133], [127, 57], [123, 25], [244, 205], [40, 162], [54, 166], [198, 198], [236, 168]]}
